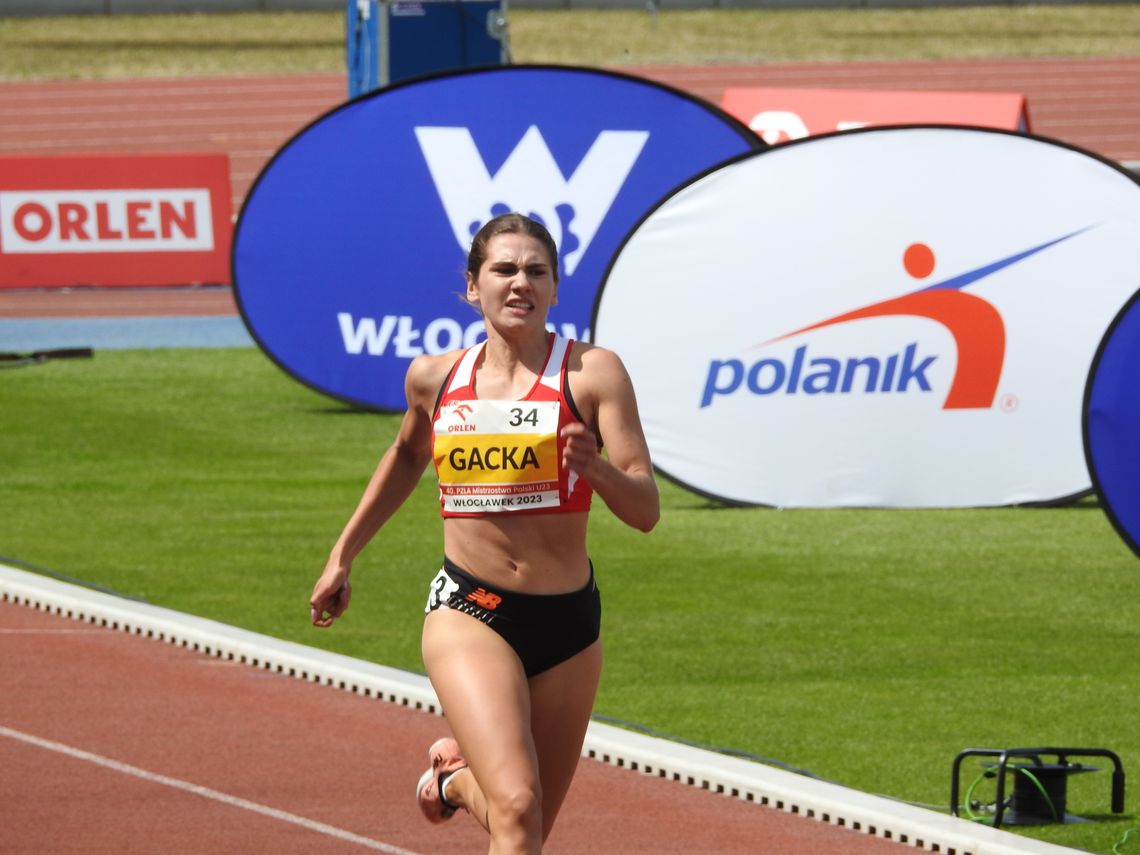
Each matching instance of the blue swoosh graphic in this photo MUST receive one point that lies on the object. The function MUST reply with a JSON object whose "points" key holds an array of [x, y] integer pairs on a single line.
{"points": [[961, 281]]}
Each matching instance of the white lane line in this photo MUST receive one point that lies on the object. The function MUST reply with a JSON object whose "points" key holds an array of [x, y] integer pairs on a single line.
{"points": [[205, 792]]}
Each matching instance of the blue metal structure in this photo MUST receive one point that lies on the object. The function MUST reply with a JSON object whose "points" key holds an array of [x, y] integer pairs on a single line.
{"points": [[388, 41]]}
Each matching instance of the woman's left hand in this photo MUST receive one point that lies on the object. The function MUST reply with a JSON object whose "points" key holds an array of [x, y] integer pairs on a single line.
{"points": [[581, 450]]}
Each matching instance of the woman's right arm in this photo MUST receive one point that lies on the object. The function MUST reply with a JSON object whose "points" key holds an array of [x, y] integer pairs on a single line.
{"points": [[395, 477]]}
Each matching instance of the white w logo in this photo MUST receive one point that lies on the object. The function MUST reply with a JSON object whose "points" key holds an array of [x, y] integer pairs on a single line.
{"points": [[530, 182]]}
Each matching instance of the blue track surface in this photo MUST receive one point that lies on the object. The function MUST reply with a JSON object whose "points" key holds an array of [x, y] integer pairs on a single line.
{"points": [[142, 333]]}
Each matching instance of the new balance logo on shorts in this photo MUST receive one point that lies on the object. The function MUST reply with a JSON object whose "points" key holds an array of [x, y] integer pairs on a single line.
{"points": [[484, 598]]}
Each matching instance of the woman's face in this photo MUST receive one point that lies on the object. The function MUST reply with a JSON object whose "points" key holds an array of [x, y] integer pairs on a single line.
{"points": [[515, 286]]}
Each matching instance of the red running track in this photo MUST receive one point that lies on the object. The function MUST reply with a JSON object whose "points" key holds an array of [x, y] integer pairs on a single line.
{"points": [[1091, 103], [116, 743]]}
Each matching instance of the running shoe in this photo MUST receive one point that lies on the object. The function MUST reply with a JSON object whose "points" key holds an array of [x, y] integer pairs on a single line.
{"points": [[446, 760]]}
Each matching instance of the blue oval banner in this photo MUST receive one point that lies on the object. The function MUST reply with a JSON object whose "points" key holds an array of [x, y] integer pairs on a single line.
{"points": [[349, 254], [1112, 422]]}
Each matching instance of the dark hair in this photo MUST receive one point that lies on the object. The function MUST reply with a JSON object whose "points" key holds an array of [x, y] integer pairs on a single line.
{"points": [[509, 224]]}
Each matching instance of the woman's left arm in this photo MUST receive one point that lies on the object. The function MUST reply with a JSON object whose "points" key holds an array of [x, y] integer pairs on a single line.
{"points": [[624, 476]]}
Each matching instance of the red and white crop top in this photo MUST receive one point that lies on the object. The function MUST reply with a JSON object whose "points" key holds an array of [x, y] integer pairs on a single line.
{"points": [[495, 456]]}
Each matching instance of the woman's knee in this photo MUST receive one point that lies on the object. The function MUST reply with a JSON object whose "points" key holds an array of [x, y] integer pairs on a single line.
{"points": [[516, 810]]}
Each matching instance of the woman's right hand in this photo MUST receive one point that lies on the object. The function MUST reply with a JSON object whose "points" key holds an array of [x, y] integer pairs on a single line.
{"points": [[396, 475], [330, 595]]}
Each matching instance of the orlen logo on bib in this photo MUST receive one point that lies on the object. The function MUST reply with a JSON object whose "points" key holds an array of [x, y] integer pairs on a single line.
{"points": [[101, 221], [530, 181], [974, 323]]}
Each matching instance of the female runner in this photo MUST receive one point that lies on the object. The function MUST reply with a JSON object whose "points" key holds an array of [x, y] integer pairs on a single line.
{"points": [[511, 639]]}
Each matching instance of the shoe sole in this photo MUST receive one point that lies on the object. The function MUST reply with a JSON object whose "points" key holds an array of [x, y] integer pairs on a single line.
{"points": [[436, 754]]}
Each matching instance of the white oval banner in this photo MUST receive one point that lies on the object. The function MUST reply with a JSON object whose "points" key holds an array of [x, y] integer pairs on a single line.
{"points": [[893, 317]]}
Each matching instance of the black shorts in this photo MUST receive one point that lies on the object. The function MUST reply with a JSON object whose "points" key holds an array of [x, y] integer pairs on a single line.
{"points": [[543, 629]]}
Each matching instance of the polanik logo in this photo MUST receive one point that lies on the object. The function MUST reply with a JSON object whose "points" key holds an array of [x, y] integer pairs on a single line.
{"points": [[898, 317], [974, 323], [351, 248]]}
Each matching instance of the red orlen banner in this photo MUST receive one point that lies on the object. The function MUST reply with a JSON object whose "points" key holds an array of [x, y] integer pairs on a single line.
{"points": [[114, 220], [779, 115]]}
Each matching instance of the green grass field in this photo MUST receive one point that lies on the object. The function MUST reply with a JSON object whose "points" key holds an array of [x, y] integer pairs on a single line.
{"points": [[866, 646], [150, 45]]}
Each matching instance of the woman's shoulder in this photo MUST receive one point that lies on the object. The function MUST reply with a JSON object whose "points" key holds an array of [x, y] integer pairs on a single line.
{"points": [[596, 371], [427, 373], [590, 358]]}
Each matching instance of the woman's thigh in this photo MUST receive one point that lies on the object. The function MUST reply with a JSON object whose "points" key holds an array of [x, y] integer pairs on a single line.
{"points": [[486, 699], [562, 699]]}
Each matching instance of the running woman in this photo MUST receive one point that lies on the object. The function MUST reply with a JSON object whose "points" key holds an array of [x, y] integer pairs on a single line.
{"points": [[511, 639]]}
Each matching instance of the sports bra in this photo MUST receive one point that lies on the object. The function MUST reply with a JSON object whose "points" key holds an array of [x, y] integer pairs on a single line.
{"points": [[502, 456]]}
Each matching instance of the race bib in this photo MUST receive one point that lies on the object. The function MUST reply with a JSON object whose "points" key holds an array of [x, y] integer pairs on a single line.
{"points": [[497, 455]]}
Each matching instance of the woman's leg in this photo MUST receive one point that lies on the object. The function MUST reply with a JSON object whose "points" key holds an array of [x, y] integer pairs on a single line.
{"points": [[485, 696], [562, 699]]}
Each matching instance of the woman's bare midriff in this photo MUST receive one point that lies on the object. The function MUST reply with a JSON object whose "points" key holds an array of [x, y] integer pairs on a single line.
{"points": [[529, 553]]}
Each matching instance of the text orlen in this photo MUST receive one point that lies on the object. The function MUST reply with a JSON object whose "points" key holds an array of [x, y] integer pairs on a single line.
{"points": [[819, 375], [73, 221], [406, 339]]}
